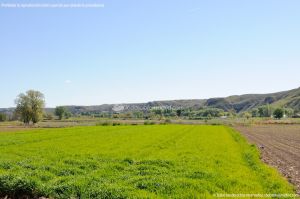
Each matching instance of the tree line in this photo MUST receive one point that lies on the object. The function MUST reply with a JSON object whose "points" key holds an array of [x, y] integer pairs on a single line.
{"points": [[30, 109]]}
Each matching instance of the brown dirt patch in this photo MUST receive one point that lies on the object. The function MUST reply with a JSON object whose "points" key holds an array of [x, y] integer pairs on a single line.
{"points": [[279, 146], [13, 129]]}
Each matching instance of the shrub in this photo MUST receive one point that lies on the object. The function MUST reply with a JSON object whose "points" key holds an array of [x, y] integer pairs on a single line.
{"points": [[149, 122], [116, 124], [105, 123], [278, 113]]}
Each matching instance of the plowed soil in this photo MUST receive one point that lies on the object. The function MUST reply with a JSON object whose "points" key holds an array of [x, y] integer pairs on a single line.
{"points": [[279, 146]]}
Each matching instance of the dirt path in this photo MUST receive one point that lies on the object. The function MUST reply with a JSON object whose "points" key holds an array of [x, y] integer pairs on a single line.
{"points": [[279, 146]]}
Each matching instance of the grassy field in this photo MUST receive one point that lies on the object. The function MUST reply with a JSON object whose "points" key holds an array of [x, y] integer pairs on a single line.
{"points": [[153, 161]]}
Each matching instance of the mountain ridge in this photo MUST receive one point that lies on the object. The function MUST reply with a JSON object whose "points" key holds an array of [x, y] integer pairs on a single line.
{"points": [[239, 103]]}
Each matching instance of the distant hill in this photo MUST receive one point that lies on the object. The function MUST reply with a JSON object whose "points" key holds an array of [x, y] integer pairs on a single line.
{"points": [[240, 103], [194, 104]]}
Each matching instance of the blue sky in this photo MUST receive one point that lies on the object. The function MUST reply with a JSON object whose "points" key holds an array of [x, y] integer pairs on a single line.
{"points": [[139, 51]]}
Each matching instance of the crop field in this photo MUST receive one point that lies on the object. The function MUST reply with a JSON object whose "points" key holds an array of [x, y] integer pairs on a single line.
{"points": [[143, 161], [280, 147]]}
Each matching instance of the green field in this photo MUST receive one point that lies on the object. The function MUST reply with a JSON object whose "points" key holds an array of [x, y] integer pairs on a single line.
{"points": [[167, 161]]}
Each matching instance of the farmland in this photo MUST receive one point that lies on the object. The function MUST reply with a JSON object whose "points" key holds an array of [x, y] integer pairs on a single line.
{"points": [[143, 161], [280, 147]]}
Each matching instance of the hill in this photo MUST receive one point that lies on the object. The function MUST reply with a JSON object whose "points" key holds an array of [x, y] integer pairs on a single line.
{"points": [[239, 103]]}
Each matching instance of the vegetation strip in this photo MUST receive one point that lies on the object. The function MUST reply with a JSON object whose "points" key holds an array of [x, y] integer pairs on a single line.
{"points": [[150, 161]]}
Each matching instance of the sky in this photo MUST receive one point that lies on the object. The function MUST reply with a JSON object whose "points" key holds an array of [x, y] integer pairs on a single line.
{"points": [[139, 51]]}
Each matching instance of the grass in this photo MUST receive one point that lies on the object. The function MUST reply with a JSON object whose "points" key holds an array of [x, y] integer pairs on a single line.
{"points": [[148, 161]]}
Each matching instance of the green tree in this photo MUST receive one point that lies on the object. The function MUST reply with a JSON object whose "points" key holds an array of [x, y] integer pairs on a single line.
{"points": [[246, 115], [265, 111], [3, 117], [232, 113], [278, 113], [68, 114], [178, 112], [157, 111], [138, 114], [289, 112], [254, 112], [30, 106], [60, 111], [49, 116]]}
